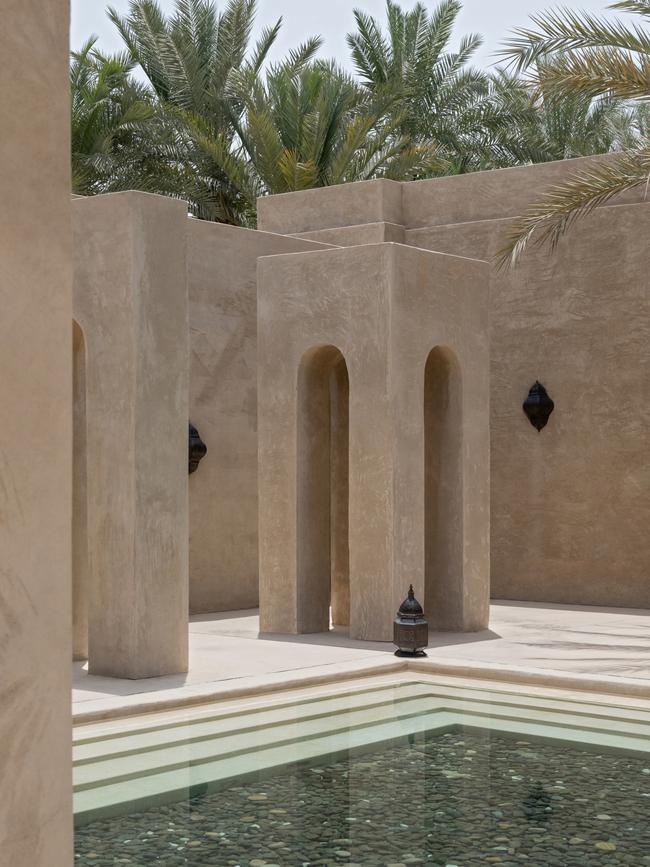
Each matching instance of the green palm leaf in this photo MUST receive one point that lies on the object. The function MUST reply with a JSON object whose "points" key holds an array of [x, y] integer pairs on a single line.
{"points": [[564, 203]]}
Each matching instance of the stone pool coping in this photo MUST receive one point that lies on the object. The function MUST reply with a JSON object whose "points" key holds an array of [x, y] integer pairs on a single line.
{"points": [[140, 704]]}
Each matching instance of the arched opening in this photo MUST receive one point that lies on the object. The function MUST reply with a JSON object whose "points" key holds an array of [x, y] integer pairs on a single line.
{"points": [[443, 494], [79, 498], [322, 478]]}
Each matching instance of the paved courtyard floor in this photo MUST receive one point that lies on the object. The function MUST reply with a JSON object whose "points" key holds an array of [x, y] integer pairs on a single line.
{"points": [[535, 640]]}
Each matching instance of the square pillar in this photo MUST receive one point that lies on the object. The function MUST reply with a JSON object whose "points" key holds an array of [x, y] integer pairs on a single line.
{"points": [[35, 436], [130, 300], [411, 328]]}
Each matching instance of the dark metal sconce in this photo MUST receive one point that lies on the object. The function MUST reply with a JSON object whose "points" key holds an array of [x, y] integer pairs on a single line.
{"points": [[538, 406], [197, 450], [410, 628]]}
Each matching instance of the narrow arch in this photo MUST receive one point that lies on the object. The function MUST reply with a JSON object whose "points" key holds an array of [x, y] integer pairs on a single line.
{"points": [[443, 490], [80, 576], [323, 572]]}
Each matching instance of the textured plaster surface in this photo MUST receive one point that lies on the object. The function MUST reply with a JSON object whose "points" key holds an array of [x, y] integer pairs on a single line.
{"points": [[35, 436], [384, 307], [352, 236], [80, 566], [605, 649], [570, 505], [487, 195], [354, 208], [222, 285], [130, 299], [377, 201]]}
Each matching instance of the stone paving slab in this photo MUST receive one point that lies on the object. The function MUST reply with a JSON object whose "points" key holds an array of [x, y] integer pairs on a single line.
{"points": [[586, 648]]}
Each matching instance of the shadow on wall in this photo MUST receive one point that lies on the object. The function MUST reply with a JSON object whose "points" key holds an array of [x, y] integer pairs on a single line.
{"points": [[80, 568], [443, 491], [323, 490]]}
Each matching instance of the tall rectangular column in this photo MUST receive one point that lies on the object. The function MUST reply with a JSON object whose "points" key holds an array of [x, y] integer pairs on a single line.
{"points": [[315, 308], [35, 436], [411, 329], [130, 300]]}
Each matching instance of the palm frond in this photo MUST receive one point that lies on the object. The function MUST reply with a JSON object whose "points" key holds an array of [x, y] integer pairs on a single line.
{"points": [[642, 7], [563, 204], [566, 30], [595, 72]]}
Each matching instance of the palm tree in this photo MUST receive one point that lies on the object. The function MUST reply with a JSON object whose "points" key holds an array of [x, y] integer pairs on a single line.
{"points": [[310, 125], [112, 121], [444, 101], [188, 58], [572, 55], [242, 131], [545, 128]]}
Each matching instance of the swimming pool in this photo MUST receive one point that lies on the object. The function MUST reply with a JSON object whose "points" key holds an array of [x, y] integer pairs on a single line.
{"points": [[411, 770]]}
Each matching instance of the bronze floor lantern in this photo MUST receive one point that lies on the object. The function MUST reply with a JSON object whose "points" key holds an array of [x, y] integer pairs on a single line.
{"points": [[410, 628]]}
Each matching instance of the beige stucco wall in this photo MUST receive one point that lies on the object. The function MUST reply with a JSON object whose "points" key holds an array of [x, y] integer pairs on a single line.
{"points": [[361, 208], [80, 568], [384, 308], [569, 505], [378, 201], [222, 282], [130, 299], [35, 436], [352, 236]]}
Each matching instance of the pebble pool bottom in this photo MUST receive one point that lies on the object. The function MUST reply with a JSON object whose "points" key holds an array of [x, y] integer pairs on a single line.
{"points": [[465, 796]]}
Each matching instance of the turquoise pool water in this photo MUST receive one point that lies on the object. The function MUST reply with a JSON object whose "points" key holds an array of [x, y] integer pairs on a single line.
{"points": [[417, 774]]}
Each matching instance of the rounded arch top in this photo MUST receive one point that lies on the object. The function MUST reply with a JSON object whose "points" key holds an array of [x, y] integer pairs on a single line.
{"points": [[78, 336], [444, 354], [322, 489], [322, 356]]}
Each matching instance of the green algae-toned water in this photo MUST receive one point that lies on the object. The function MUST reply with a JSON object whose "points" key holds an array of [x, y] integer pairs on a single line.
{"points": [[464, 796]]}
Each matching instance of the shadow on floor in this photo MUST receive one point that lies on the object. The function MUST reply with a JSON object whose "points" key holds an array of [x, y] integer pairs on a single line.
{"points": [[339, 637], [557, 606], [82, 680], [216, 616]]}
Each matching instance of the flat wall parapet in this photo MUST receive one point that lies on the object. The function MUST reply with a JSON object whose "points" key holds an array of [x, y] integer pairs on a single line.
{"points": [[352, 236], [344, 214], [373, 201], [243, 237]]}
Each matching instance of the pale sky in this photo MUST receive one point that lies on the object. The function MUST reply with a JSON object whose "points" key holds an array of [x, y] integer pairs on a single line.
{"points": [[332, 19]]}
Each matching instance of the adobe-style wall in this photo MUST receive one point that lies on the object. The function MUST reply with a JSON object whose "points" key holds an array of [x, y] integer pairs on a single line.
{"points": [[381, 311], [130, 302], [567, 504], [460, 198], [222, 285], [35, 436], [570, 504]]}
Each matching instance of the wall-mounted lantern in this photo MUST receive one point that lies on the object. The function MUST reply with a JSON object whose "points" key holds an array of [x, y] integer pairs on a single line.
{"points": [[410, 628], [197, 450], [538, 406]]}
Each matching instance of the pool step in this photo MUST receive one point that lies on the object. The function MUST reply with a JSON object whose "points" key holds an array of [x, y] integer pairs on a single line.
{"points": [[153, 761]]}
